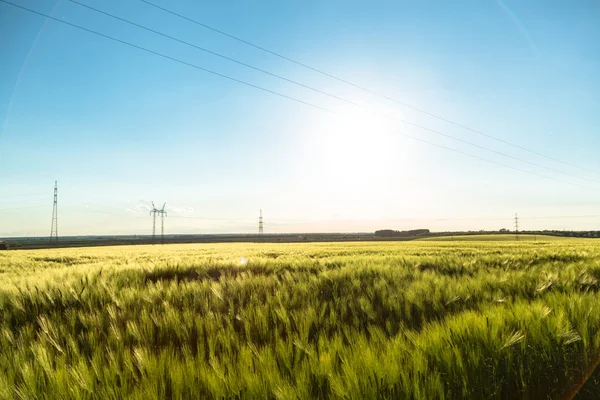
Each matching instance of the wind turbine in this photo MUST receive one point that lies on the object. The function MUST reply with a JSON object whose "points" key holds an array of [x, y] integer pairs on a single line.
{"points": [[163, 214]]}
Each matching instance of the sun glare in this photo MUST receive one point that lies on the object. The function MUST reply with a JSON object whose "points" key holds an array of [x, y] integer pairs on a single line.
{"points": [[357, 139], [357, 154]]}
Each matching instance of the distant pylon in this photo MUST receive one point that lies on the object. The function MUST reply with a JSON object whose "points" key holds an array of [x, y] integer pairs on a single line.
{"points": [[163, 214], [260, 224], [517, 227], [54, 226]]}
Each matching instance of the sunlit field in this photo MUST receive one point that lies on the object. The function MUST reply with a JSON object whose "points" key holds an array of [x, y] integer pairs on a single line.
{"points": [[406, 320]]}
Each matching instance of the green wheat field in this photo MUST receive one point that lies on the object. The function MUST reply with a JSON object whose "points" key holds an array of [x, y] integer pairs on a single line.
{"points": [[402, 320]]}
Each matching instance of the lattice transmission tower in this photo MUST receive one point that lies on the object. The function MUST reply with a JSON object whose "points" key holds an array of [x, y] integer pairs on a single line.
{"points": [[54, 225], [260, 224], [517, 227], [163, 214]]}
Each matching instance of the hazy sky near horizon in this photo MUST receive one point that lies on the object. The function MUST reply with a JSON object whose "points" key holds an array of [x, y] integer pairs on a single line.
{"points": [[118, 127]]}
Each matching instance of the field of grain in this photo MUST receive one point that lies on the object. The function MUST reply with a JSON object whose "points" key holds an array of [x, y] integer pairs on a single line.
{"points": [[408, 320]]}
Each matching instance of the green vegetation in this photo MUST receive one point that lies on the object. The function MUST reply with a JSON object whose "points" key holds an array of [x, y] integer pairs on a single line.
{"points": [[414, 320]]}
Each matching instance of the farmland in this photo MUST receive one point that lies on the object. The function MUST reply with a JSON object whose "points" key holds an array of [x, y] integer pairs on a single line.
{"points": [[414, 320]]}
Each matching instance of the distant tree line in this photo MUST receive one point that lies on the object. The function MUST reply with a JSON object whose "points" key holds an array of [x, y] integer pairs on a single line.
{"points": [[393, 233], [582, 234], [593, 234]]}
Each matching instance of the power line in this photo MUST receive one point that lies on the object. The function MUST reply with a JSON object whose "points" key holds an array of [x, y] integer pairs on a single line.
{"points": [[168, 57], [115, 214], [139, 217], [21, 208], [298, 220], [213, 53], [495, 151], [212, 218], [366, 89], [37, 194], [276, 221], [317, 90], [262, 88], [24, 201], [564, 216], [490, 161], [301, 220], [520, 218]]}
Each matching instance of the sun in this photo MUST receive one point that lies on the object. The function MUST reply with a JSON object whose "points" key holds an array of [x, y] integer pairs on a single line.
{"points": [[354, 164], [355, 141], [355, 155]]}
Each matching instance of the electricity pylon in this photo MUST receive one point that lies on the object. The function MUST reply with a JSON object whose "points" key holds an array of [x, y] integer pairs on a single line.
{"points": [[260, 224], [163, 214], [54, 225], [517, 227]]}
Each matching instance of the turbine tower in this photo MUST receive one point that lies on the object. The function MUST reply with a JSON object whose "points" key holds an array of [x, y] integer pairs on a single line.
{"points": [[163, 214], [54, 226]]}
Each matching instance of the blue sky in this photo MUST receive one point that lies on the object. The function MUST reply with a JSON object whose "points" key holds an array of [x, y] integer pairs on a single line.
{"points": [[118, 127]]}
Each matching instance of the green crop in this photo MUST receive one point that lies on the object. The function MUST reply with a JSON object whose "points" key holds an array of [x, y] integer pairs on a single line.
{"points": [[408, 320]]}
